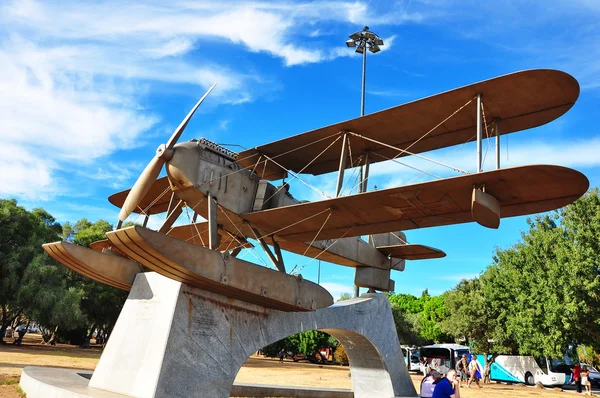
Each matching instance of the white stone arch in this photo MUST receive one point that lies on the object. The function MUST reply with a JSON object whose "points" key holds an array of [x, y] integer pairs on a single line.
{"points": [[195, 341]]}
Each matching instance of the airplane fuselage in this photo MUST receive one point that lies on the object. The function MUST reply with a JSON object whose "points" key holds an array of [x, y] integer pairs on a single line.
{"points": [[197, 171]]}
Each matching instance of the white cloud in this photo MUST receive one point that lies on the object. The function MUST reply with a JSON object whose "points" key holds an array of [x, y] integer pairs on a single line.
{"points": [[24, 174], [74, 76]]}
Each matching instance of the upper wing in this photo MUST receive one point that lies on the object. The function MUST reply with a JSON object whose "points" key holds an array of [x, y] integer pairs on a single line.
{"points": [[519, 101], [519, 190]]}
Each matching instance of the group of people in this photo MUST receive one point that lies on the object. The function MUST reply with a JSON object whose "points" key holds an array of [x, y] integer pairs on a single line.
{"points": [[434, 385], [20, 331], [580, 376]]}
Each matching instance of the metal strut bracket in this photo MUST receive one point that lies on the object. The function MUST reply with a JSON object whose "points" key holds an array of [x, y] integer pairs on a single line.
{"points": [[213, 233], [276, 258], [173, 215]]}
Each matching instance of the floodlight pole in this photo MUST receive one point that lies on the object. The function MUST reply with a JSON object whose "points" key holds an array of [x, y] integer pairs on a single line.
{"points": [[363, 41], [364, 79], [479, 133]]}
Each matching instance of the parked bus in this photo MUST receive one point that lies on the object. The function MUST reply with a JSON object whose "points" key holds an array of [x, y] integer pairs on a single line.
{"points": [[412, 358], [441, 357], [529, 370]]}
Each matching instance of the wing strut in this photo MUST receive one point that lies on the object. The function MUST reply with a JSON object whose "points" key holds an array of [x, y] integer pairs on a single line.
{"points": [[496, 128], [213, 234], [276, 258], [172, 217], [343, 157]]}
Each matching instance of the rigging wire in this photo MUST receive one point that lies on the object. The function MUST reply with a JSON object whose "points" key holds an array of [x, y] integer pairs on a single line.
{"points": [[301, 180], [304, 168], [325, 249], [313, 241], [290, 225], [410, 153], [440, 123], [446, 156]]}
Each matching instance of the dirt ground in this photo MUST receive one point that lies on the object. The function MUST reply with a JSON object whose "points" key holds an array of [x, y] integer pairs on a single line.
{"points": [[255, 370]]}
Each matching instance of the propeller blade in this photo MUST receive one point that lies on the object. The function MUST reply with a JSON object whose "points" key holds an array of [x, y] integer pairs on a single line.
{"points": [[173, 140], [141, 187]]}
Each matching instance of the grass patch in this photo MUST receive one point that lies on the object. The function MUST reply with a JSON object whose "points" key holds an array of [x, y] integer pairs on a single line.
{"points": [[21, 392], [9, 382]]}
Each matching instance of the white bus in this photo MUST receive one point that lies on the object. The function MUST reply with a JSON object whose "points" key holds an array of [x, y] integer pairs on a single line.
{"points": [[529, 370], [412, 358], [441, 357]]}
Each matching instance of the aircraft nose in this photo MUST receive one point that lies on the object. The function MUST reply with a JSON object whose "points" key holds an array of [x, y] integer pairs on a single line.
{"points": [[183, 167]]}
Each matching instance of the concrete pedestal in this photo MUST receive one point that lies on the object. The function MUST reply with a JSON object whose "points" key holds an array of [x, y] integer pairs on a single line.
{"points": [[172, 340]]}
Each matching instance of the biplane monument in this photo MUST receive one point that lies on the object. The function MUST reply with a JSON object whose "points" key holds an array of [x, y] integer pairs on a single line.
{"points": [[202, 311]]}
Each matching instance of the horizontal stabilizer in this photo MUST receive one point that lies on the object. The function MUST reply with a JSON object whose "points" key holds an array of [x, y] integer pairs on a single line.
{"points": [[411, 252]]}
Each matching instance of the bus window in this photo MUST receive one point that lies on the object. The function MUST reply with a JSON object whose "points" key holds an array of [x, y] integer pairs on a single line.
{"points": [[542, 363], [562, 365]]}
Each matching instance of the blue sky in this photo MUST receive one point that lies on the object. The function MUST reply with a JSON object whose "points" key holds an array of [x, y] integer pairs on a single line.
{"points": [[89, 90]]}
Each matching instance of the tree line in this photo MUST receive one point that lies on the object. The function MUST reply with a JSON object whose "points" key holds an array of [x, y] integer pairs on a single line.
{"points": [[538, 297], [34, 287]]}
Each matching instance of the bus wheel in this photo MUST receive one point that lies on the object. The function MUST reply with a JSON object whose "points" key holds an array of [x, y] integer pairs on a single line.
{"points": [[529, 380]]}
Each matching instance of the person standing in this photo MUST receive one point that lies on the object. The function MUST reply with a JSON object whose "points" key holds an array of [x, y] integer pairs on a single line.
{"points": [[463, 369], [473, 370], [585, 380], [448, 387], [577, 376], [281, 355]]}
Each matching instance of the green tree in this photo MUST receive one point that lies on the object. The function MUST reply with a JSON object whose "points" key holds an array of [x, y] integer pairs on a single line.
{"points": [[45, 297], [407, 326], [306, 343], [544, 292], [418, 320], [344, 296], [407, 302], [36, 284], [100, 303], [476, 316], [434, 312]]}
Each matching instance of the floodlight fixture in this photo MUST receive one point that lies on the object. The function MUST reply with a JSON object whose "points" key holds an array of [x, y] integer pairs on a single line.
{"points": [[362, 41]]}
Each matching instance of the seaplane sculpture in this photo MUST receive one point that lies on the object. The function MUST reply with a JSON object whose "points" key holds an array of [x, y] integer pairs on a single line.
{"points": [[233, 193]]}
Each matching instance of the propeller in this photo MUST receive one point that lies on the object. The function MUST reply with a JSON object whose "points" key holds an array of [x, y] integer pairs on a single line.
{"points": [[163, 153]]}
